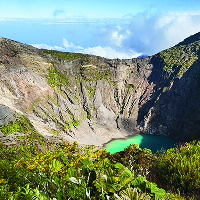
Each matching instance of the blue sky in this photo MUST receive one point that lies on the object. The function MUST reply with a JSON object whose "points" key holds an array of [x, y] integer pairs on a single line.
{"points": [[109, 28], [89, 8]]}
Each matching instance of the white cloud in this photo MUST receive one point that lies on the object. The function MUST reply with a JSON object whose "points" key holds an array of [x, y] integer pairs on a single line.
{"points": [[118, 38], [132, 36], [70, 46], [106, 52], [150, 34], [182, 27], [45, 46]]}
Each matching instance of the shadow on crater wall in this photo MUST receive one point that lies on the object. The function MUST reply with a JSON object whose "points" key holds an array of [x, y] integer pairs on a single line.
{"points": [[177, 108]]}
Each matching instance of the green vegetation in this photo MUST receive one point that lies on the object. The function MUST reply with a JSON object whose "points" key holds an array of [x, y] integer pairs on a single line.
{"points": [[57, 79], [64, 55], [151, 189], [93, 73], [21, 124], [54, 132], [89, 116], [88, 70], [73, 122], [130, 87], [192, 39], [40, 169], [55, 100], [91, 92], [72, 172], [179, 168], [108, 78], [76, 99], [28, 145], [179, 59], [69, 125]]}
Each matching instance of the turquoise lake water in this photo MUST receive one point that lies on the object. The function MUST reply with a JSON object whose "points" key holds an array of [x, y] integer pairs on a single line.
{"points": [[153, 142]]}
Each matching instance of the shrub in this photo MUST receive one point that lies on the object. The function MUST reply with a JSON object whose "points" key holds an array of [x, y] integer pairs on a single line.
{"points": [[179, 168], [71, 172]]}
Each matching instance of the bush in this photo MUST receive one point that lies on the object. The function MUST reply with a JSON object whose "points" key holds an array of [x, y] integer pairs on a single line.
{"points": [[73, 172], [179, 168]]}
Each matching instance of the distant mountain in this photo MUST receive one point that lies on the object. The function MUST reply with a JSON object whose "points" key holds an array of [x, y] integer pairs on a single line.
{"points": [[143, 56], [92, 99]]}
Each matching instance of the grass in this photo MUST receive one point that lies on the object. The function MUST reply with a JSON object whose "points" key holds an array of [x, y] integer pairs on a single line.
{"points": [[91, 73], [57, 79], [72, 123], [64, 55], [91, 92], [130, 87], [179, 59], [21, 124]]}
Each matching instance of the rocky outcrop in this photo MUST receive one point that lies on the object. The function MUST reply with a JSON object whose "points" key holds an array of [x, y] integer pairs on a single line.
{"points": [[92, 100]]}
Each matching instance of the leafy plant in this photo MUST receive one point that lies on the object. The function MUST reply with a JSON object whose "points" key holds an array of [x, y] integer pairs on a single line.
{"points": [[113, 177], [135, 159], [68, 171], [179, 168], [132, 194], [151, 189]]}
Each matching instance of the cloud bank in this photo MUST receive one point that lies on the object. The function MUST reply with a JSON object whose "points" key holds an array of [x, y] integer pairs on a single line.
{"points": [[106, 52], [132, 36]]}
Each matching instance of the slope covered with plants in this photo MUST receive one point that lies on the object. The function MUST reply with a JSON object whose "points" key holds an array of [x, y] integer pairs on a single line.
{"points": [[69, 171]]}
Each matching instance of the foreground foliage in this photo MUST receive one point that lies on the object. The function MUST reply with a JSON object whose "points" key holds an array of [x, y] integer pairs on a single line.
{"points": [[179, 168], [73, 172]]}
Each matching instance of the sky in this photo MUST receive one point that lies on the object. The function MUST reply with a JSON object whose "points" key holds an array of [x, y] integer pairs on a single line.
{"points": [[108, 28]]}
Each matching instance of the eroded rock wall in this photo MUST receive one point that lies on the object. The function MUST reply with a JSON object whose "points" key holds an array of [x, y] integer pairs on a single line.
{"points": [[92, 99]]}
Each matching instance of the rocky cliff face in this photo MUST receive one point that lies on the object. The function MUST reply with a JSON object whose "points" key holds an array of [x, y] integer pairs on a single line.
{"points": [[92, 100]]}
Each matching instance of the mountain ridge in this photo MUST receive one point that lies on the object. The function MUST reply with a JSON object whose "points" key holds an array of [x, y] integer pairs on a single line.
{"points": [[93, 99]]}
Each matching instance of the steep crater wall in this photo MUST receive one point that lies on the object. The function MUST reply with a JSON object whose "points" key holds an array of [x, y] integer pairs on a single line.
{"points": [[92, 99]]}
